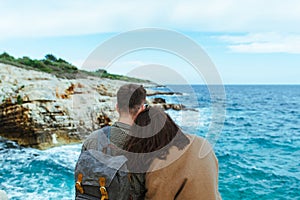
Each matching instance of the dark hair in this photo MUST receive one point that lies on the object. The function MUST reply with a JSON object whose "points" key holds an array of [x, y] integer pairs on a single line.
{"points": [[153, 131], [130, 97]]}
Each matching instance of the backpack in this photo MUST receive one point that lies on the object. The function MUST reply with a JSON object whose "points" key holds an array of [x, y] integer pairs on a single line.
{"points": [[99, 175]]}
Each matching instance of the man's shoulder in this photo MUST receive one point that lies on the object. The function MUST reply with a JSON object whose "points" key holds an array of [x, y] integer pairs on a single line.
{"points": [[91, 142], [93, 135]]}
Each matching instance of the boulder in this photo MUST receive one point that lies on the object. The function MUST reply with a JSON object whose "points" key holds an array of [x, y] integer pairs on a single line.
{"points": [[161, 103], [158, 100]]}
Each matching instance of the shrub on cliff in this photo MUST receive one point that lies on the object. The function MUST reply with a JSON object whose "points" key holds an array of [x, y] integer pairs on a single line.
{"points": [[51, 57], [60, 68], [6, 56]]}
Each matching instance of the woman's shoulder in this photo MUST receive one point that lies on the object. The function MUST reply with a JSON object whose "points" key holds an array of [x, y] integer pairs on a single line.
{"points": [[196, 140], [199, 145]]}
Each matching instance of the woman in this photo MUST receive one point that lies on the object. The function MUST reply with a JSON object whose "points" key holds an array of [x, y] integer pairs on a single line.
{"points": [[172, 164]]}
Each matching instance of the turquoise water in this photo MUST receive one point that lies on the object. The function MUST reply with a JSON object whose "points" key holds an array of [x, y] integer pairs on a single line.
{"points": [[258, 149]]}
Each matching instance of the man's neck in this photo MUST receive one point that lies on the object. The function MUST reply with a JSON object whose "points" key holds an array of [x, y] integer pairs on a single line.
{"points": [[126, 119]]}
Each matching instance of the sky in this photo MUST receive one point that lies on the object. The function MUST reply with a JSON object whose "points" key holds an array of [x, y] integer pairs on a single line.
{"points": [[248, 41]]}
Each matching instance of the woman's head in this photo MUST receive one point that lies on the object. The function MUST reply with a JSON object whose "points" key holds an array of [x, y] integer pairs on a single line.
{"points": [[151, 136], [154, 130]]}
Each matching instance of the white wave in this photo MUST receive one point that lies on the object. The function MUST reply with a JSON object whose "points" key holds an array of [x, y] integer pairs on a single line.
{"points": [[197, 119]]}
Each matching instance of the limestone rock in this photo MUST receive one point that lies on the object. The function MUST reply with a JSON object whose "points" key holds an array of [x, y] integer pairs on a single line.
{"points": [[158, 100], [161, 103], [40, 110]]}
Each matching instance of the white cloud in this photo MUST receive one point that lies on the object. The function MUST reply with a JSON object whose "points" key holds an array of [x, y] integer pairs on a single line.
{"points": [[34, 18], [264, 43]]}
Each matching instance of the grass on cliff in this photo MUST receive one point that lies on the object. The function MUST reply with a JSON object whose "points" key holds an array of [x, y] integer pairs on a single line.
{"points": [[61, 68]]}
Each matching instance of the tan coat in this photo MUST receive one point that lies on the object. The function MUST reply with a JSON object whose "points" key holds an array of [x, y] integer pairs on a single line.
{"points": [[191, 175]]}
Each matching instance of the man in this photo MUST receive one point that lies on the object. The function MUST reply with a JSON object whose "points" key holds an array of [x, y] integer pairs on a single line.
{"points": [[130, 102]]}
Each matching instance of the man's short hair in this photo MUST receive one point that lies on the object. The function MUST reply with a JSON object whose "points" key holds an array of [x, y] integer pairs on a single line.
{"points": [[130, 97]]}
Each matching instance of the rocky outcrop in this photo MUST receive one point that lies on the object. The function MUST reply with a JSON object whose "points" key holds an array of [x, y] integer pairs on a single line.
{"points": [[40, 110], [161, 103], [153, 93], [158, 100]]}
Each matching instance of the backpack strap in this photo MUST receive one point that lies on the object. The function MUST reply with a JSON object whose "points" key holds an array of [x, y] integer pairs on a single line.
{"points": [[78, 183], [106, 130], [103, 191]]}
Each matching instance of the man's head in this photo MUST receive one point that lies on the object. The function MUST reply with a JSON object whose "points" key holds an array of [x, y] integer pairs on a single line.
{"points": [[130, 99]]}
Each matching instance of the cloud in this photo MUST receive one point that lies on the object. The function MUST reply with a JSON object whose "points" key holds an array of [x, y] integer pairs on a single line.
{"points": [[263, 43], [34, 18]]}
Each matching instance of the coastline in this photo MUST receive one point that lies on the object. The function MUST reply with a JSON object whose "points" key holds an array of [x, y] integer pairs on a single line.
{"points": [[243, 150], [40, 110]]}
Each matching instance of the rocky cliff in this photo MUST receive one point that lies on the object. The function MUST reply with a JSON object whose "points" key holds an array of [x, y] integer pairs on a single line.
{"points": [[40, 110]]}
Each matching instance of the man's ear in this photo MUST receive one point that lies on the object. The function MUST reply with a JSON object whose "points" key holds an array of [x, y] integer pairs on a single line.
{"points": [[117, 108], [138, 112]]}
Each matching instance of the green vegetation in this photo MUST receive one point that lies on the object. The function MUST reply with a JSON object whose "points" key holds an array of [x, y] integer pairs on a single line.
{"points": [[50, 64], [19, 100], [60, 68], [104, 74]]}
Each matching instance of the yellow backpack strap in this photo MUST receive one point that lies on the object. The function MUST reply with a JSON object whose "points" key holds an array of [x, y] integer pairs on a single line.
{"points": [[104, 193], [78, 183], [129, 176]]}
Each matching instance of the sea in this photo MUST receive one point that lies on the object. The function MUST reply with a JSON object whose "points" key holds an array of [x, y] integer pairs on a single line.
{"points": [[258, 147]]}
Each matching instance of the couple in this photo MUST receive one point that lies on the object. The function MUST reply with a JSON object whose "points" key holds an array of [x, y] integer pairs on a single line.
{"points": [[165, 163]]}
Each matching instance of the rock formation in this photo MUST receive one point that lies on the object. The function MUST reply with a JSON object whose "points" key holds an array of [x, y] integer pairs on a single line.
{"points": [[40, 110]]}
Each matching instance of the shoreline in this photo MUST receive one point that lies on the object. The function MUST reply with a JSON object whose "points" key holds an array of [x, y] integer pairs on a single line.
{"points": [[40, 110]]}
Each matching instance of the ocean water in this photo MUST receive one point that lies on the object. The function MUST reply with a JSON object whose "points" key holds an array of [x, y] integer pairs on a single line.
{"points": [[258, 149]]}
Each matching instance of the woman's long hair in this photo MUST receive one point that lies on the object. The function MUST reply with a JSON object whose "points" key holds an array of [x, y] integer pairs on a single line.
{"points": [[151, 136]]}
